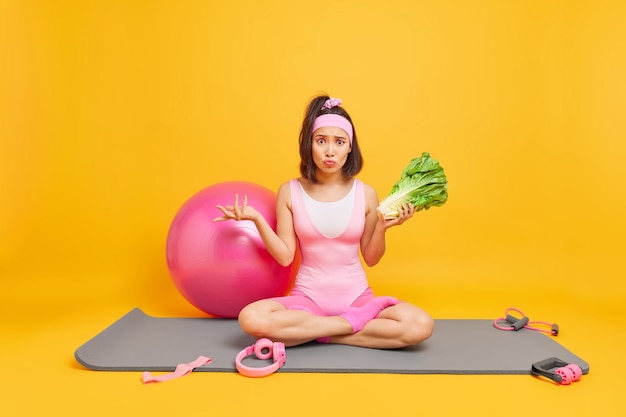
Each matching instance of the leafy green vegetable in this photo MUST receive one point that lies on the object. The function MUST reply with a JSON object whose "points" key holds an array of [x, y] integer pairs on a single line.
{"points": [[422, 183]]}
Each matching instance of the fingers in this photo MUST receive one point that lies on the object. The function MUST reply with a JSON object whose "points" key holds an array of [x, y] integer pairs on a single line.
{"points": [[405, 213], [226, 211], [240, 210], [236, 208], [234, 212], [410, 210]]}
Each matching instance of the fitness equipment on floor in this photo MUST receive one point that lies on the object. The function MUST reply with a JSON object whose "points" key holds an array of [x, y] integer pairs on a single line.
{"points": [[514, 323], [262, 349], [557, 370]]}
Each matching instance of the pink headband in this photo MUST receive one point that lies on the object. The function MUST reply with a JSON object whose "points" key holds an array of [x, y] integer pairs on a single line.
{"points": [[333, 120]]}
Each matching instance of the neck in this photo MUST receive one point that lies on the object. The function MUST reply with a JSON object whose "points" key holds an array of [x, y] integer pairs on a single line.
{"points": [[331, 179]]}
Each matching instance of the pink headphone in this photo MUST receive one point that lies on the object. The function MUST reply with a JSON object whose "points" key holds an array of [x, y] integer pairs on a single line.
{"points": [[263, 349]]}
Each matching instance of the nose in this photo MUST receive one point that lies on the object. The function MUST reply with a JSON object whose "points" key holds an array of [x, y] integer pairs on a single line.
{"points": [[329, 150]]}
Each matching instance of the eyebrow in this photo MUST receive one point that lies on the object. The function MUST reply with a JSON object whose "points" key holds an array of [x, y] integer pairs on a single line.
{"points": [[319, 135]]}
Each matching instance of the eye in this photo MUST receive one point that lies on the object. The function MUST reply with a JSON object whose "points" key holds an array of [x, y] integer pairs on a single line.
{"points": [[340, 141], [321, 141]]}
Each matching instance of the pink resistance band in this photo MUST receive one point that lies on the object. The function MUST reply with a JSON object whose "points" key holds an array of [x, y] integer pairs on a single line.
{"points": [[333, 120], [181, 370]]}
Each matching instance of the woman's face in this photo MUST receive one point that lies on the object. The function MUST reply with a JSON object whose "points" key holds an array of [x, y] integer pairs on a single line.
{"points": [[331, 146]]}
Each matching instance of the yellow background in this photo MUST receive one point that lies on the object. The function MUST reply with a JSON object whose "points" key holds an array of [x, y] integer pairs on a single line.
{"points": [[113, 113]]}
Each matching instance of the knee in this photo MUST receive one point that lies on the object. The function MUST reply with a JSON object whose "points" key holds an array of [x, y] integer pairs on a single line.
{"points": [[253, 322], [420, 328]]}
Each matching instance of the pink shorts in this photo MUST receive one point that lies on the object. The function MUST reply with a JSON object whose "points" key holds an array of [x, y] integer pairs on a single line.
{"points": [[297, 300]]}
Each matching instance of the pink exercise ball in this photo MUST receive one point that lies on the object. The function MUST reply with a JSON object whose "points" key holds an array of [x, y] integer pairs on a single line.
{"points": [[220, 267]]}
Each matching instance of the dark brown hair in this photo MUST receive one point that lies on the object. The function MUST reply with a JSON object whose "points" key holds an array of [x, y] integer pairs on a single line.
{"points": [[353, 164]]}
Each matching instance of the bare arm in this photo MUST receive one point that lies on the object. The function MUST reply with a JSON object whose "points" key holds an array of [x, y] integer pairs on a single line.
{"points": [[280, 244], [373, 239]]}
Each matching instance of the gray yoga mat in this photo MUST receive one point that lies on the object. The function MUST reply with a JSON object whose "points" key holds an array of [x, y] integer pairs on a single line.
{"points": [[138, 342]]}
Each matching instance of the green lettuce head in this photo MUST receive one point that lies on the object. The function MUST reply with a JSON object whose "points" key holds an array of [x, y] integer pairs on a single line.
{"points": [[422, 183]]}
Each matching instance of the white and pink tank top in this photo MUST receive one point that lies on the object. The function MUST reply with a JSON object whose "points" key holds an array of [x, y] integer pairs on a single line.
{"points": [[330, 272]]}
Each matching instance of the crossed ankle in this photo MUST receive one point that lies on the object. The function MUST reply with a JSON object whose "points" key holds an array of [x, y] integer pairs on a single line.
{"points": [[358, 317]]}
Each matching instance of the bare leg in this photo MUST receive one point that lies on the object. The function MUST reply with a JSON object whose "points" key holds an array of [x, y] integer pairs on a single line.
{"points": [[397, 326], [269, 318]]}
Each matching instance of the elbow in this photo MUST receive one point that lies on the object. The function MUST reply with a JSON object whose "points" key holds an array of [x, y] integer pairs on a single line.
{"points": [[285, 260], [373, 252], [371, 260], [284, 263], [371, 263], [284, 255]]}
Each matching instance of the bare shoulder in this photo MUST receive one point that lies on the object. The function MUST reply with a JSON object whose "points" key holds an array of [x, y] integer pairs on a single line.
{"points": [[371, 197], [284, 194], [370, 193], [284, 187]]}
